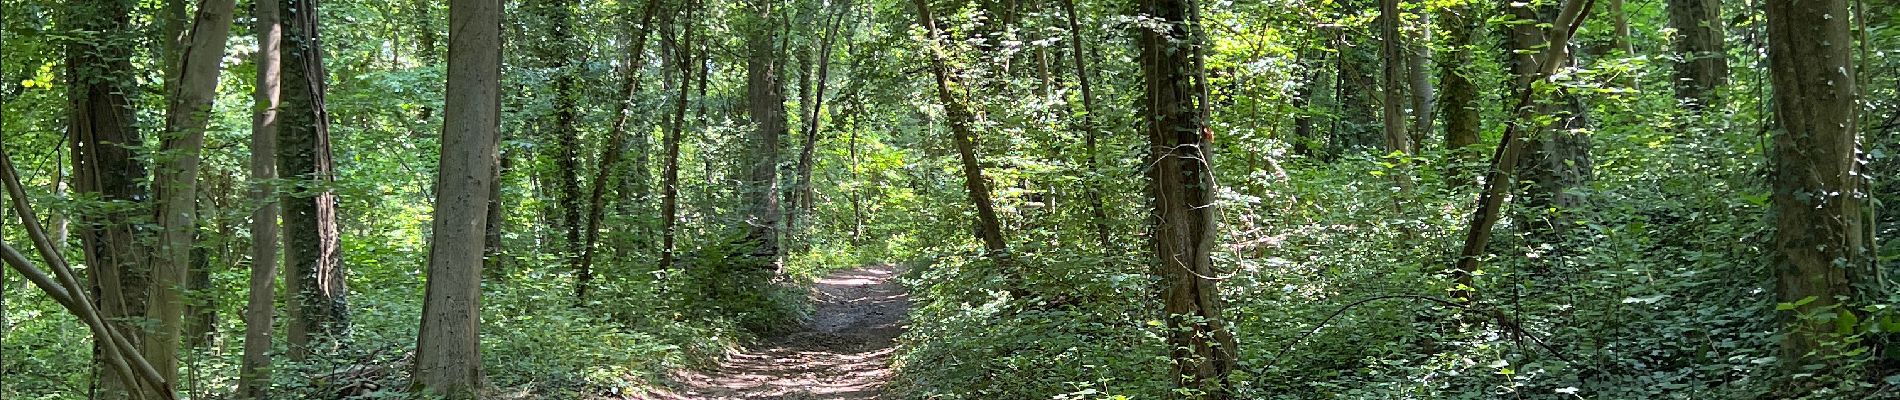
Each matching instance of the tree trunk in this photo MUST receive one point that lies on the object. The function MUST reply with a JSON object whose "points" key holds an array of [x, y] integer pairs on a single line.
{"points": [[254, 372], [103, 127], [610, 155], [566, 134], [989, 229], [176, 181], [448, 346], [766, 108], [311, 250], [1393, 63], [1420, 82], [803, 199], [1502, 175], [1098, 208], [1180, 179], [1703, 66], [1821, 251], [1558, 160], [1460, 95], [670, 173]]}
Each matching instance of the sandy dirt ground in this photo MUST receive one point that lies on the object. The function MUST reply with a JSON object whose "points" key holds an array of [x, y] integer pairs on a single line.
{"points": [[844, 353]]}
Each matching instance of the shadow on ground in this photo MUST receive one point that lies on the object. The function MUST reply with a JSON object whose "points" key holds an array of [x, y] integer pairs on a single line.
{"points": [[843, 353]]}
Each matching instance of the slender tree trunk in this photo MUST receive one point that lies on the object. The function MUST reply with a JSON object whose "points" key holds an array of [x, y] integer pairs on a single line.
{"points": [[766, 108], [1180, 179], [566, 135], [1557, 161], [311, 250], [670, 173], [448, 347], [177, 181], [1393, 64], [610, 155], [957, 115], [1098, 207], [1699, 42], [1501, 176], [254, 372], [1420, 81], [802, 203], [1822, 250], [103, 127]]}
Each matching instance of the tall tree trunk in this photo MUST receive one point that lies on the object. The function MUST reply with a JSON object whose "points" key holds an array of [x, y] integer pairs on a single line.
{"points": [[1460, 95], [1420, 81], [103, 127], [957, 115], [1704, 59], [311, 249], [1098, 208], [448, 346], [610, 155], [1821, 251], [1557, 161], [1502, 175], [1180, 179], [765, 102], [670, 173], [177, 181], [803, 198], [1393, 63], [254, 371], [566, 135]]}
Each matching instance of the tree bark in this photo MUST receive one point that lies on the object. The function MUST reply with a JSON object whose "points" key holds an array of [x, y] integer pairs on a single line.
{"points": [[176, 181], [1460, 95], [1181, 183], [802, 201], [957, 115], [610, 155], [1098, 208], [311, 249], [670, 173], [1501, 176], [1393, 63], [765, 104], [448, 346], [103, 127], [1419, 80], [1558, 160], [1821, 248], [1703, 66], [254, 371]]}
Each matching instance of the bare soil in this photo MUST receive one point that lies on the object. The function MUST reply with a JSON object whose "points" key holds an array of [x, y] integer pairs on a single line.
{"points": [[843, 353]]}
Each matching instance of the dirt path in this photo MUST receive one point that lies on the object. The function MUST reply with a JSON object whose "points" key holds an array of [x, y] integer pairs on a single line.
{"points": [[845, 353]]}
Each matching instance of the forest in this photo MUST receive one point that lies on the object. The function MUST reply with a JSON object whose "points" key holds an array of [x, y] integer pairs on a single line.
{"points": [[949, 199]]}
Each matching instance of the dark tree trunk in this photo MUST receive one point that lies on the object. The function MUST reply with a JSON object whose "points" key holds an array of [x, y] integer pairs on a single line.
{"points": [[312, 256], [1181, 183], [1078, 49], [957, 115], [610, 155], [1699, 42], [670, 173]]}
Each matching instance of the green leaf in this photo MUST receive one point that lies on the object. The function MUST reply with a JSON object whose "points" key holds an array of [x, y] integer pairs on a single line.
{"points": [[1846, 323]]}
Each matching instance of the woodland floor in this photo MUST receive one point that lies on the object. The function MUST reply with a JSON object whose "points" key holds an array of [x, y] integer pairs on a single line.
{"points": [[843, 353]]}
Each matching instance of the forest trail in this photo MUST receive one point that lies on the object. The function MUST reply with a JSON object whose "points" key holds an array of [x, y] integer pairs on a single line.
{"points": [[844, 353]]}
